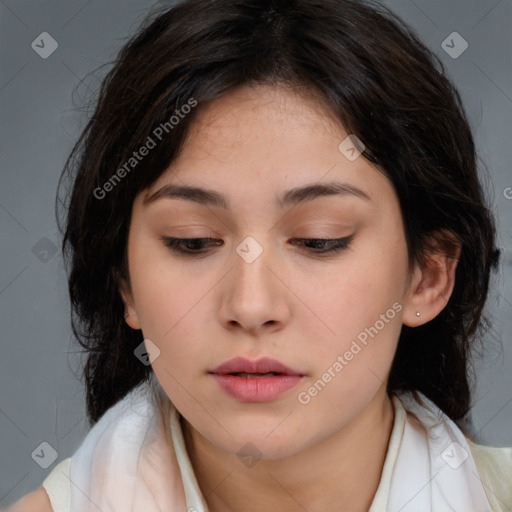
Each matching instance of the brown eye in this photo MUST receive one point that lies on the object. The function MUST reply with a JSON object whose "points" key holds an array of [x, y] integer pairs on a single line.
{"points": [[325, 245], [190, 246]]}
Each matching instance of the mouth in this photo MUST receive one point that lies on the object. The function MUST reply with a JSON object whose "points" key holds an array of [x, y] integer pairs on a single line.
{"points": [[255, 381], [252, 375], [245, 367]]}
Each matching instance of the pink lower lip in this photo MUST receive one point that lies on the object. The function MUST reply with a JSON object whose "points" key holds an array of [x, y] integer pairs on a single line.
{"points": [[257, 389]]}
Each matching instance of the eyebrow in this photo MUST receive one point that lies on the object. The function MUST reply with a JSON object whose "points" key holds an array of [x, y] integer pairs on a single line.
{"points": [[290, 197]]}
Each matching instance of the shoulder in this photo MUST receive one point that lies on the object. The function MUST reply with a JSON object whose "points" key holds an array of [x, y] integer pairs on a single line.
{"points": [[492, 457], [494, 465], [54, 495], [36, 501]]}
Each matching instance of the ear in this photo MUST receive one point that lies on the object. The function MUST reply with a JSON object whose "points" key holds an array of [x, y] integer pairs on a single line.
{"points": [[126, 294], [432, 284]]}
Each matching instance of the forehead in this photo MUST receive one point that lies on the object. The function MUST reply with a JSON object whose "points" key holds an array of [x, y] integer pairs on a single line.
{"points": [[262, 142], [274, 104]]}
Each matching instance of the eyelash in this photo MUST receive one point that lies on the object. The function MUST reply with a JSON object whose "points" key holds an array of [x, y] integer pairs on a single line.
{"points": [[335, 245]]}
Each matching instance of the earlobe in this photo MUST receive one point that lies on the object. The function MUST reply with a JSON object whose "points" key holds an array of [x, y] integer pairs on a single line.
{"points": [[432, 285], [413, 303], [130, 315]]}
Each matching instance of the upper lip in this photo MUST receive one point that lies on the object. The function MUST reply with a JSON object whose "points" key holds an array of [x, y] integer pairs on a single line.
{"points": [[263, 365]]}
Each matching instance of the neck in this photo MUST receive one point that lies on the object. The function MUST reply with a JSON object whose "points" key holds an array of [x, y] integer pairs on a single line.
{"points": [[340, 472]]}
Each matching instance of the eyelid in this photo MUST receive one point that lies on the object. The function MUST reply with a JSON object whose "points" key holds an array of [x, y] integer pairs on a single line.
{"points": [[334, 245]]}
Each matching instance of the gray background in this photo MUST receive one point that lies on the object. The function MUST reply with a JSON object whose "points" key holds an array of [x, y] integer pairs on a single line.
{"points": [[41, 398]]}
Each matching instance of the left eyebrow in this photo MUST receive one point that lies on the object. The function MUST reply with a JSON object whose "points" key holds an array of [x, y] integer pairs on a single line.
{"points": [[294, 196], [314, 190]]}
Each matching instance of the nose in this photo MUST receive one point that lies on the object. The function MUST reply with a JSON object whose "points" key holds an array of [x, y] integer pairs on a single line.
{"points": [[255, 298]]}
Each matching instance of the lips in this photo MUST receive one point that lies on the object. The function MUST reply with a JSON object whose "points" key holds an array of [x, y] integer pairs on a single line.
{"points": [[255, 381], [244, 367]]}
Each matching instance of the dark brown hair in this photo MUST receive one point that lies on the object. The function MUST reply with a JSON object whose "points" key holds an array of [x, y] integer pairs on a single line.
{"points": [[376, 77]]}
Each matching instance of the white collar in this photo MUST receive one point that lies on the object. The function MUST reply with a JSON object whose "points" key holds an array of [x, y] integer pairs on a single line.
{"points": [[437, 484], [134, 458]]}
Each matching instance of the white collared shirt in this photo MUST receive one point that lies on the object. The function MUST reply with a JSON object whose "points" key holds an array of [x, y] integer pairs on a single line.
{"points": [[494, 466]]}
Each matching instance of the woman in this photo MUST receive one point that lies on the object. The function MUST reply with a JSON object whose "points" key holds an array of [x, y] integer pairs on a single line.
{"points": [[280, 252]]}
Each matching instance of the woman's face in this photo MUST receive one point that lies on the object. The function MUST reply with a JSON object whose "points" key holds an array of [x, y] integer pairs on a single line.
{"points": [[259, 288]]}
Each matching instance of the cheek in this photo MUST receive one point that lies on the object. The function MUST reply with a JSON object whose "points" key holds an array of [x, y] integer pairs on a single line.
{"points": [[171, 309], [352, 365], [351, 297], [162, 294], [358, 313]]}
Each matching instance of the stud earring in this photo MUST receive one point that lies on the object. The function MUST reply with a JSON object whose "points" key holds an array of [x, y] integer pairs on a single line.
{"points": [[126, 315], [417, 313]]}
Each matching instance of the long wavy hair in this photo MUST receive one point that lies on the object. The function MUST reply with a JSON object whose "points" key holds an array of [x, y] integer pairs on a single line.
{"points": [[382, 84]]}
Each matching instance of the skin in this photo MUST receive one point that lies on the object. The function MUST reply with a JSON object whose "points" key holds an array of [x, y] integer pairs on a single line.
{"points": [[291, 304], [36, 501]]}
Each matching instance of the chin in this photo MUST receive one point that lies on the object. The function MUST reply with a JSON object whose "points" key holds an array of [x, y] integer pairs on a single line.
{"points": [[257, 443], [251, 450]]}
